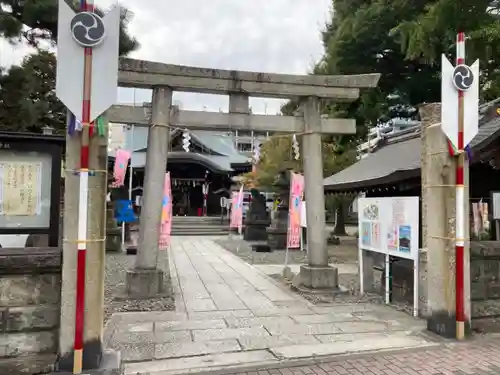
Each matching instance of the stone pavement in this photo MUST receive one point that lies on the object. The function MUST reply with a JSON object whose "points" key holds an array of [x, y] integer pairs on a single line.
{"points": [[479, 357], [231, 314]]}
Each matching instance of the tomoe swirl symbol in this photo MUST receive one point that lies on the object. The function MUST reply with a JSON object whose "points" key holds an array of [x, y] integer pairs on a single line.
{"points": [[463, 78], [87, 29]]}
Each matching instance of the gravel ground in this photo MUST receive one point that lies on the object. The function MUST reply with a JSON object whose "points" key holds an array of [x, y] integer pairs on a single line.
{"points": [[116, 268], [346, 252]]}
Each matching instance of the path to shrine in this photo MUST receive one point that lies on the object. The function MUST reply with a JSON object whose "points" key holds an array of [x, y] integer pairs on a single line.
{"points": [[231, 315]]}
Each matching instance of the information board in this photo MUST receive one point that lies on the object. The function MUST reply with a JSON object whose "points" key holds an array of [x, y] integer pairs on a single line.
{"points": [[25, 189], [389, 226]]}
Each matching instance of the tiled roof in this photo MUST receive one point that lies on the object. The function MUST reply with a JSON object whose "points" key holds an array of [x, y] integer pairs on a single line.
{"points": [[399, 159], [219, 143], [219, 164], [400, 156]]}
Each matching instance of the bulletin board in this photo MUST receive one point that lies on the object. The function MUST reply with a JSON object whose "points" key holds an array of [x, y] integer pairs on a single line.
{"points": [[390, 226]]}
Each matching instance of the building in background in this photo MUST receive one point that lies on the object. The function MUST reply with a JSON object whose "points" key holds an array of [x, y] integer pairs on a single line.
{"points": [[211, 163]]}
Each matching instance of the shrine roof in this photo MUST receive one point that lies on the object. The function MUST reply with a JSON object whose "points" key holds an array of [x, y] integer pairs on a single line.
{"points": [[221, 157], [398, 159], [218, 164]]}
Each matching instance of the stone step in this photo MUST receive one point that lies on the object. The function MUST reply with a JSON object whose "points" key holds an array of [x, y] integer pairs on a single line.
{"points": [[198, 226], [191, 233]]}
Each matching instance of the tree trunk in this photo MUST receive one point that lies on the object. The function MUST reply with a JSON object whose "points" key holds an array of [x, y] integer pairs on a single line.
{"points": [[340, 221]]}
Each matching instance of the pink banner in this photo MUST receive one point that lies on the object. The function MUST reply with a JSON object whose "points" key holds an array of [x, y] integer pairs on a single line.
{"points": [[296, 195], [166, 214], [237, 210], [120, 168]]}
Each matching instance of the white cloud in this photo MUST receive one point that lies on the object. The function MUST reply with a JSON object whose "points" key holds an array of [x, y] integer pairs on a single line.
{"points": [[258, 35]]}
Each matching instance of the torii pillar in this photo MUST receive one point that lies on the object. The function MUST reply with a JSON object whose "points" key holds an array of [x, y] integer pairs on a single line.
{"points": [[438, 226], [146, 280], [317, 274]]}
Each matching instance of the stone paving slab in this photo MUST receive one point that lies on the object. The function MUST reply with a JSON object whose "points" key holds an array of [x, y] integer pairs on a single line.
{"points": [[169, 366], [252, 342], [190, 325], [186, 349], [232, 314], [229, 333], [259, 321], [220, 314], [382, 342]]}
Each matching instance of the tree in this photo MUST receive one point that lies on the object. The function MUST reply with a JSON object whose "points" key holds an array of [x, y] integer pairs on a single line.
{"points": [[27, 96], [27, 92], [433, 32], [358, 40], [36, 21], [403, 40], [277, 155]]}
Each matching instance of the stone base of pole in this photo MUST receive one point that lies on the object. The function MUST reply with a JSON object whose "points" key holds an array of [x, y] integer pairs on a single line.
{"points": [[110, 363], [319, 280], [145, 283]]}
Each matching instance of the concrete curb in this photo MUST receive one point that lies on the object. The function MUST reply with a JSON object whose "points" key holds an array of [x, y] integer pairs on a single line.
{"points": [[279, 364]]}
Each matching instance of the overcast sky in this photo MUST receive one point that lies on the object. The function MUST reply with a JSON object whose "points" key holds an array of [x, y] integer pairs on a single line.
{"points": [[258, 35]]}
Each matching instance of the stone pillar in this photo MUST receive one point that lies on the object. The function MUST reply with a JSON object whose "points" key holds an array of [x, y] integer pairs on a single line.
{"points": [[145, 280], [438, 225], [317, 274], [93, 355], [239, 103]]}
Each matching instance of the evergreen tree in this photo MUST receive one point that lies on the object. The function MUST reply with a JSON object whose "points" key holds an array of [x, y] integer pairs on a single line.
{"points": [[27, 92]]}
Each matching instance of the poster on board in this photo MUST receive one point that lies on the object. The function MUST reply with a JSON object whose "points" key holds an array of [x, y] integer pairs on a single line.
{"points": [[389, 225]]}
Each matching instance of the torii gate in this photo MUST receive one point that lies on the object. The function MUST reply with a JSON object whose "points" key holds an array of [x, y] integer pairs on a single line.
{"points": [[145, 280]]}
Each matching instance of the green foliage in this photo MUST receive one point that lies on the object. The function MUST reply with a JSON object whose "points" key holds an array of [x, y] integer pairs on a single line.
{"points": [[27, 92], [433, 32], [27, 97], [36, 21], [277, 155], [358, 41], [403, 40]]}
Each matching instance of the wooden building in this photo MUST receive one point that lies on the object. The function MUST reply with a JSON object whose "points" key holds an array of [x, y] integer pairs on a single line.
{"points": [[212, 161], [393, 166]]}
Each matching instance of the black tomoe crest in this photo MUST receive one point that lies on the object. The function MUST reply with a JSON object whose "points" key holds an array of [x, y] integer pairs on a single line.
{"points": [[463, 78], [87, 29]]}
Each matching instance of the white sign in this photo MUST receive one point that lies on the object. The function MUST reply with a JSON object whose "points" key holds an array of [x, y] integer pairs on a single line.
{"points": [[225, 202], [390, 226], [495, 198], [76, 30], [303, 217], [452, 80]]}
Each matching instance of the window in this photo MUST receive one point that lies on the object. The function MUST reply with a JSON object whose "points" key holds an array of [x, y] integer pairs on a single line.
{"points": [[244, 147]]}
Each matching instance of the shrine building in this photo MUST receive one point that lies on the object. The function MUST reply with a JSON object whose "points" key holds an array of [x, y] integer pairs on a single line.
{"points": [[212, 161]]}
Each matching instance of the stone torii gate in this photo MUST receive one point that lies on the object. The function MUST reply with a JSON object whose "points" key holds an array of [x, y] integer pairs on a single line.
{"points": [[145, 279]]}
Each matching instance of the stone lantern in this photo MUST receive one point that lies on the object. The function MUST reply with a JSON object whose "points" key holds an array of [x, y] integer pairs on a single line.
{"points": [[277, 232]]}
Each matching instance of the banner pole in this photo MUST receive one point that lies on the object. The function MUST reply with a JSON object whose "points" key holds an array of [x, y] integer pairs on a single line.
{"points": [[460, 195]]}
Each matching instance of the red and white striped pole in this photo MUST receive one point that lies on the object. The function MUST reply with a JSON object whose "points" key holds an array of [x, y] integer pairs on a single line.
{"points": [[85, 6], [460, 204]]}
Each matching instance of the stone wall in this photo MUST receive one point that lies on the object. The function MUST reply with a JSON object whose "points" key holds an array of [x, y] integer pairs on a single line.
{"points": [[485, 283], [402, 280], [30, 290]]}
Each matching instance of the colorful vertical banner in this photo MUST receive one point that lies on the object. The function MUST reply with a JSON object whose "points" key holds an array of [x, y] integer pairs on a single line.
{"points": [[166, 214], [120, 168], [237, 210], [294, 210]]}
